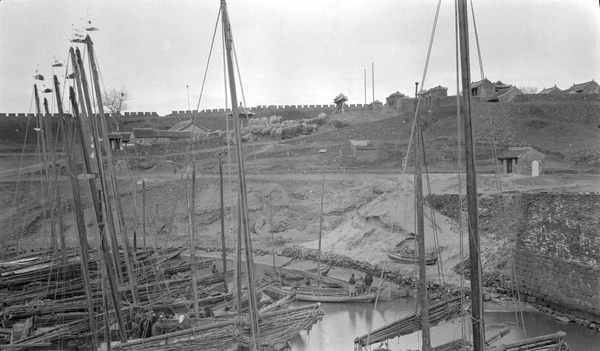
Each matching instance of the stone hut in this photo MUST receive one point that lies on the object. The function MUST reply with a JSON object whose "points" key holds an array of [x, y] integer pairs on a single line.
{"points": [[394, 101], [522, 160], [431, 94], [375, 106], [148, 136], [505, 95], [482, 89], [196, 130], [118, 139], [363, 150]]}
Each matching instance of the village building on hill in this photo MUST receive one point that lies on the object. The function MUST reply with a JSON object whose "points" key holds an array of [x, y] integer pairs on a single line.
{"points": [[149, 136], [394, 101], [196, 130], [118, 139], [522, 160], [361, 150], [504, 95], [551, 90], [431, 94], [375, 106], [590, 87]]}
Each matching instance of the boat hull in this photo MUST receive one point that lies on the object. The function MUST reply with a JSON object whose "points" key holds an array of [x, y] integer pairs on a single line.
{"points": [[336, 298]]}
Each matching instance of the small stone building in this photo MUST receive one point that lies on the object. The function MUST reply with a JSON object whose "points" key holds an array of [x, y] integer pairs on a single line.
{"points": [[197, 130], [375, 106], [394, 101], [483, 89], [361, 150], [522, 160], [505, 95], [433, 93], [148, 136]]}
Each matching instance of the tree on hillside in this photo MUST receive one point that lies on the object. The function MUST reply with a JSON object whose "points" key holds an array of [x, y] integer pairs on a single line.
{"points": [[528, 90], [116, 100]]}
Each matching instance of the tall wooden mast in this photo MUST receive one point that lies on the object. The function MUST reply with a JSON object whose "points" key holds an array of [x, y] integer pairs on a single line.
{"points": [[243, 201], [79, 216], [418, 175], [113, 185], [474, 249]]}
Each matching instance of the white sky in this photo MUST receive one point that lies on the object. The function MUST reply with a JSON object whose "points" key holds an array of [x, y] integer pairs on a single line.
{"points": [[294, 52]]}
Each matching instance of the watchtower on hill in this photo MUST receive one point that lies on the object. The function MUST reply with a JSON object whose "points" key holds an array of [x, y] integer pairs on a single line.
{"points": [[340, 103]]}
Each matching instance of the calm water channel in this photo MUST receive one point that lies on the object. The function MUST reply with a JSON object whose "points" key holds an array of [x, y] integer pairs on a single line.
{"points": [[344, 322]]}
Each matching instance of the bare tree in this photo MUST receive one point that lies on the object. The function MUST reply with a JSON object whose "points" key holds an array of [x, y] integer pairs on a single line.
{"points": [[528, 90], [116, 100]]}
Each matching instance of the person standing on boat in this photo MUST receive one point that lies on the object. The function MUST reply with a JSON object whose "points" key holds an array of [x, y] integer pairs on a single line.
{"points": [[352, 288], [214, 269], [368, 282]]}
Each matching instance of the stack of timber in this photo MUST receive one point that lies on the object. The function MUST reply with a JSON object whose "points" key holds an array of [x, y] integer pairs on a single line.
{"points": [[438, 313], [276, 328], [41, 290]]}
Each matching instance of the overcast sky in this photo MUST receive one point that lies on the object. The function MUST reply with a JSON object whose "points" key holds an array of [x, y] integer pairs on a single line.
{"points": [[294, 52]]}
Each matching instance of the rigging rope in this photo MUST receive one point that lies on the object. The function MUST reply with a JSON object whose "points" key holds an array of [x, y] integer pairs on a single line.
{"points": [[477, 41]]}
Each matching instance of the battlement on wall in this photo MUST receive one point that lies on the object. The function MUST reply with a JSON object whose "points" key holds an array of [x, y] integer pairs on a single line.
{"points": [[126, 114], [261, 108]]}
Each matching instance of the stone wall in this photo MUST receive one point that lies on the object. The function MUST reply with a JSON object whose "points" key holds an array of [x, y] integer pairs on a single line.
{"points": [[557, 256], [565, 286], [564, 226], [556, 97]]}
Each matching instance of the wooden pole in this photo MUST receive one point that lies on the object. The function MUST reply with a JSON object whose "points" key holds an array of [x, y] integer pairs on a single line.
{"points": [[113, 287], [112, 189], [474, 248], [423, 298], [61, 227], [191, 207], [321, 226], [365, 88], [144, 212], [243, 217], [271, 230], [80, 218], [98, 155], [223, 248], [45, 189], [373, 82]]}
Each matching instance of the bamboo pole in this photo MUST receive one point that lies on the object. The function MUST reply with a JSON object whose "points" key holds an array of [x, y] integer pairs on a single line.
{"points": [[474, 247]]}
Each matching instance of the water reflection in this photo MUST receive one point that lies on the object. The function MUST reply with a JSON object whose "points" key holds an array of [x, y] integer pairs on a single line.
{"points": [[344, 322]]}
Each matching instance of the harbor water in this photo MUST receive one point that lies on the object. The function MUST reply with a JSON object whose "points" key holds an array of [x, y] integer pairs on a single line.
{"points": [[344, 322]]}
